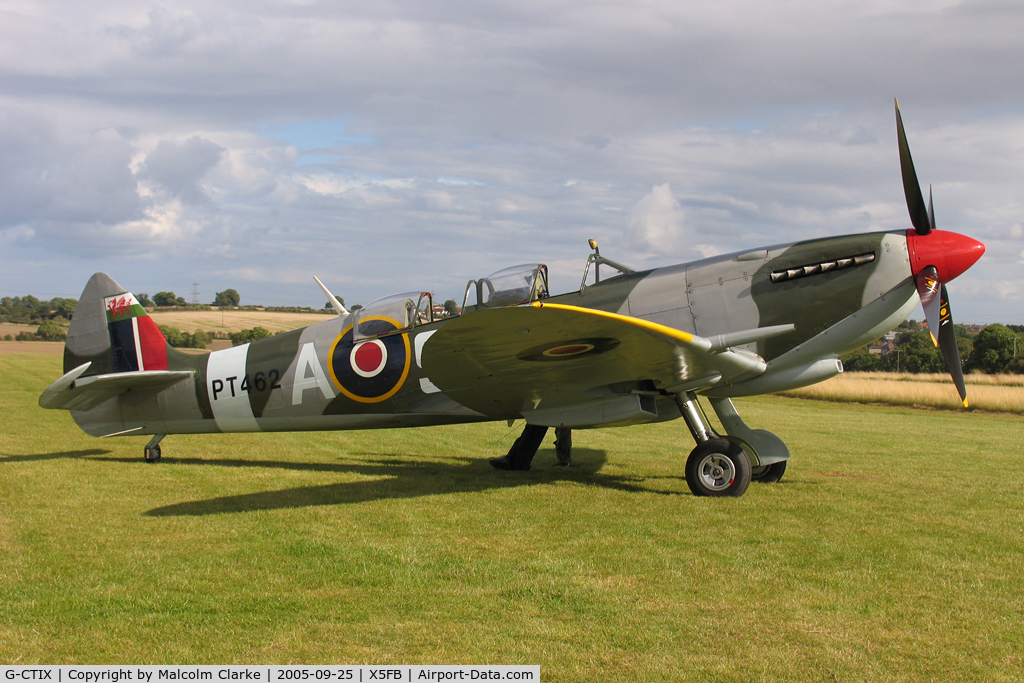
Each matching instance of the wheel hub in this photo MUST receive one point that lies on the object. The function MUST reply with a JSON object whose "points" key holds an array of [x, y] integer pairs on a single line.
{"points": [[717, 472]]}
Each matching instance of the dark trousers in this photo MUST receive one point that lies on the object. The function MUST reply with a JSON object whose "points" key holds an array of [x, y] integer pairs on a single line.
{"points": [[525, 447], [522, 451], [563, 445]]}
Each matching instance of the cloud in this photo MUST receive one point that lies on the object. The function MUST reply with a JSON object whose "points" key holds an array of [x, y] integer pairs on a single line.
{"points": [[178, 168], [658, 220], [11, 235], [50, 175]]}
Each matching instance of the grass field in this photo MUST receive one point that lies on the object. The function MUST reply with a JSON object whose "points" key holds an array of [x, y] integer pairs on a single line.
{"points": [[892, 551]]}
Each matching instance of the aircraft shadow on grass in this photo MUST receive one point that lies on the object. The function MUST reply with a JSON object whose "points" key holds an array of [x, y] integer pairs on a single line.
{"points": [[52, 456], [398, 477]]}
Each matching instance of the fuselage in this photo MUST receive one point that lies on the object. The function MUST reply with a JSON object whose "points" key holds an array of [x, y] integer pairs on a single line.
{"points": [[839, 293]]}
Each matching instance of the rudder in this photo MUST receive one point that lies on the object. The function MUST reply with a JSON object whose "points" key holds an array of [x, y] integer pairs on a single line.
{"points": [[112, 330]]}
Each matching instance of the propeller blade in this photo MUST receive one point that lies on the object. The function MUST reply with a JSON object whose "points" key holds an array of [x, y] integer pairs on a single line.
{"points": [[947, 342], [911, 187], [928, 284], [931, 208]]}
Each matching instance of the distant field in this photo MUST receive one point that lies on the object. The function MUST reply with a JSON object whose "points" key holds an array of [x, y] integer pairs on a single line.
{"points": [[998, 393], [186, 321], [211, 321], [892, 550], [232, 321], [972, 378], [15, 329]]}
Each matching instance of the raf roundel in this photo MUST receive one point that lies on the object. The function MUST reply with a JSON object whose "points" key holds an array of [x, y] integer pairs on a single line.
{"points": [[369, 358], [372, 370], [568, 350]]}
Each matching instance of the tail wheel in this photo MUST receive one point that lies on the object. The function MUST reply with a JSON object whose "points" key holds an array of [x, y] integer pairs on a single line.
{"points": [[769, 474], [718, 467], [151, 454]]}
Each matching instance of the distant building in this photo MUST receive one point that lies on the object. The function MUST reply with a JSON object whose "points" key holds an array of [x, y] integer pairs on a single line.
{"points": [[884, 346], [439, 311]]}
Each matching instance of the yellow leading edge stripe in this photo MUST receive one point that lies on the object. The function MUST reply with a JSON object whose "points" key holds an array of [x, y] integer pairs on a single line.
{"points": [[653, 327]]}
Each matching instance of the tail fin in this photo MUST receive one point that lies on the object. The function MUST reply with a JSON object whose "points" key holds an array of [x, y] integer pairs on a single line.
{"points": [[113, 332]]}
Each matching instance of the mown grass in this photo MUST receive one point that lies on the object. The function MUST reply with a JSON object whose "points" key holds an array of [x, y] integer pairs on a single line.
{"points": [[997, 393], [892, 550]]}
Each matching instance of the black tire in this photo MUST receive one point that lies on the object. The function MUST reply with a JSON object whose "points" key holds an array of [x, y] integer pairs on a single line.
{"points": [[769, 474], [718, 467], [151, 454]]}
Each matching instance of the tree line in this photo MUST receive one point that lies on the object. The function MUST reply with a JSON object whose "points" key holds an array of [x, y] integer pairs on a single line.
{"points": [[996, 349], [51, 316], [229, 297], [28, 310]]}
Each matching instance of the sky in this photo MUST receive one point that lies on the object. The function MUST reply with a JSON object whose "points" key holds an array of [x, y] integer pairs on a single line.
{"points": [[397, 146]]}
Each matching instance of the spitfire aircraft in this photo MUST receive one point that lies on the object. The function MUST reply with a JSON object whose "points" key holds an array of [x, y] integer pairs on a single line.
{"points": [[626, 348]]}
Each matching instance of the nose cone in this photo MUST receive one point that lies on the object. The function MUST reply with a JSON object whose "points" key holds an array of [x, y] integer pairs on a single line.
{"points": [[951, 253]]}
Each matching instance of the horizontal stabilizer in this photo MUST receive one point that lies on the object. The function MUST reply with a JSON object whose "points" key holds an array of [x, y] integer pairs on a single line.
{"points": [[74, 392]]}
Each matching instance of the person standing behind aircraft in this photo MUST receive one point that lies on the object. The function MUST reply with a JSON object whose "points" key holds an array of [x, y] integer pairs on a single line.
{"points": [[520, 456]]}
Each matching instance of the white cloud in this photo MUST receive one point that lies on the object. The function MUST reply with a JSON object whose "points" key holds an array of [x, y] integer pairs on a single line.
{"points": [[658, 220], [165, 225], [368, 192], [19, 232]]}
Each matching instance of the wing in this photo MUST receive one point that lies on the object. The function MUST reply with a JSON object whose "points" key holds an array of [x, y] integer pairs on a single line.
{"points": [[564, 365]]}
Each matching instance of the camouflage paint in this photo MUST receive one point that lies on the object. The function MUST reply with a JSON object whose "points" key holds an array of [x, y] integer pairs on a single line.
{"points": [[304, 379], [817, 302]]}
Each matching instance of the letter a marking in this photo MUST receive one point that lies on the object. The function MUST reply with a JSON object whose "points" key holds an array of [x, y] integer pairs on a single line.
{"points": [[308, 359]]}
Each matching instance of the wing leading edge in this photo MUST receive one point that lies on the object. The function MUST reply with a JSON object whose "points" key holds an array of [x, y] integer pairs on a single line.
{"points": [[557, 364]]}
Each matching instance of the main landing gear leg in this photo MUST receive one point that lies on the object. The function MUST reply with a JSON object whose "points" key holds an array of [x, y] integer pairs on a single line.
{"points": [[151, 452], [717, 466], [769, 451]]}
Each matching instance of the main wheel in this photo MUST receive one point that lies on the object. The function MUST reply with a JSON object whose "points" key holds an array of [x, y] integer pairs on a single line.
{"points": [[151, 454], [718, 467], [768, 474]]}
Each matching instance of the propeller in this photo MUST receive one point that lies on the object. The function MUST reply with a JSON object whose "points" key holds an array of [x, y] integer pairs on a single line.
{"points": [[920, 217], [947, 342], [936, 257], [928, 287]]}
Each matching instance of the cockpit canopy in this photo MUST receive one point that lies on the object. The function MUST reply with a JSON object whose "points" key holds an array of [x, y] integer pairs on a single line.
{"points": [[402, 312], [395, 313], [509, 287]]}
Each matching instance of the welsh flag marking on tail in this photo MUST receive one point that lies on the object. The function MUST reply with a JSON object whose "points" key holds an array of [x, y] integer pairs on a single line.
{"points": [[135, 341], [123, 306]]}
